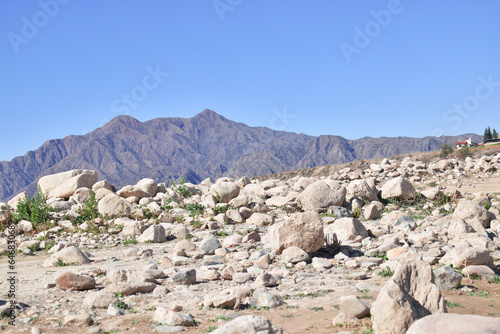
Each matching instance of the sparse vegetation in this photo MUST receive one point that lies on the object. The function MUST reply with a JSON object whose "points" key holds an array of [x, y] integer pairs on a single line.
{"points": [[223, 208], [181, 189], [317, 308], [89, 211], [445, 150], [60, 263], [194, 208], [463, 152], [129, 241], [356, 213], [386, 272], [36, 210], [482, 293], [452, 305]]}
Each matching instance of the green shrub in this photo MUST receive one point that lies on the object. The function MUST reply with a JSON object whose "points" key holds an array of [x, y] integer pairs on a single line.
{"points": [[223, 209], [181, 188], [89, 211], [463, 152], [36, 210], [445, 150], [356, 213], [129, 241], [386, 272], [194, 208]]}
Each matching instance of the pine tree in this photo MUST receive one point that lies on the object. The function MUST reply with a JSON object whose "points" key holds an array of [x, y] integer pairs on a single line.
{"points": [[490, 135], [494, 135], [486, 135]]}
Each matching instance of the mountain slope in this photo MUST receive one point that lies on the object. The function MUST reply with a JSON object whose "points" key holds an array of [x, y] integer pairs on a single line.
{"points": [[206, 145]]}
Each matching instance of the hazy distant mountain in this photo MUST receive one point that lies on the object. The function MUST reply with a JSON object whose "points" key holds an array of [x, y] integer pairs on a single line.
{"points": [[207, 145]]}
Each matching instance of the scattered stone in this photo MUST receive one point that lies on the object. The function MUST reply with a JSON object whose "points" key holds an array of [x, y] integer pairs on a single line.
{"points": [[99, 299], [130, 288], [115, 310], [347, 229], [266, 280], [78, 320], [171, 318], [484, 272], [72, 281], [209, 245], [447, 278], [294, 254], [67, 256], [184, 277], [154, 233], [352, 306]]}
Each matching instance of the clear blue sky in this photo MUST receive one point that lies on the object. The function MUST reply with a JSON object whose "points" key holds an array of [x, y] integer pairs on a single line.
{"points": [[337, 67]]}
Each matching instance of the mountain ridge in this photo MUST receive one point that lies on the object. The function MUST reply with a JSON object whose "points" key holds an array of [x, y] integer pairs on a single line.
{"points": [[207, 145]]}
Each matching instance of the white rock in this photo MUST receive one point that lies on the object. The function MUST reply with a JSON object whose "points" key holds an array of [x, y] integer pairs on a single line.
{"points": [[65, 184]]}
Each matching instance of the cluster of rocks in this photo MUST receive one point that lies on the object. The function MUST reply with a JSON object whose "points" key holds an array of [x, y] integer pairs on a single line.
{"points": [[247, 244]]}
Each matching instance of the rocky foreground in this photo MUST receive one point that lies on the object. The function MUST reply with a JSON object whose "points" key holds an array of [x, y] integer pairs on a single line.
{"points": [[373, 250]]}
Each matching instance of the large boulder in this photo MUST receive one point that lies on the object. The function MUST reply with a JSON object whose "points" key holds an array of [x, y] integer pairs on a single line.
{"points": [[353, 306], [409, 295], [249, 324], [143, 188], [112, 205], [19, 197], [303, 230], [171, 318], [347, 229], [447, 278], [463, 255], [130, 288], [225, 191], [154, 233], [70, 255], [361, 189], [322, 194], [99, 299], [442, 323], [468, 210], [73, 281], [399, 188], [65, 184]]}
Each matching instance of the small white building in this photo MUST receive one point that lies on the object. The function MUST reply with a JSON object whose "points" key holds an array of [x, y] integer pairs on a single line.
{"points": [[467, 142]]}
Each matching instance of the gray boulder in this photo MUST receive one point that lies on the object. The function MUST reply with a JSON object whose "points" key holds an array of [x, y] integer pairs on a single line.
{"points": [[63, 185], [409, 295], [322, 194], [399, 188], [442, 323], [303, 230], [447, 278], [250, 324]]}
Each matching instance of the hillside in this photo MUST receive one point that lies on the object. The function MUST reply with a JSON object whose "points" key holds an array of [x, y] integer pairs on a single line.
{"points": [[206, 145]]}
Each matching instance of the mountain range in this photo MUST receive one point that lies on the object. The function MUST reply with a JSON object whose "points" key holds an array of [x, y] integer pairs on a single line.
{"points": [[126, 150]]}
